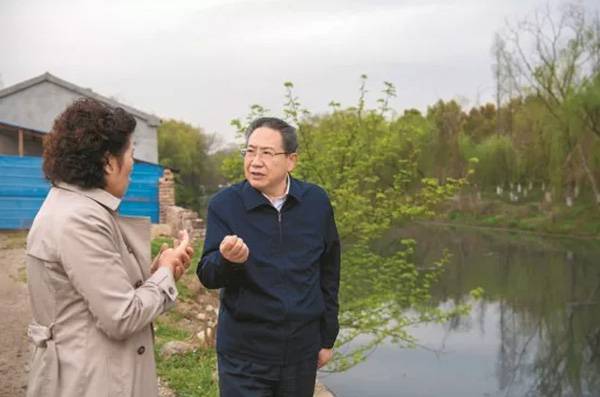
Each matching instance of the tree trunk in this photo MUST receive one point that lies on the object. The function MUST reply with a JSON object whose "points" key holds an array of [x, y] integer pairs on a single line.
{"points": [[589, 174], [569, 201]]}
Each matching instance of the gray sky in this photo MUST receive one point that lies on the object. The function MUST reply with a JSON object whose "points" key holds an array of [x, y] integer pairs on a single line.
{"points": [[206, 61]]}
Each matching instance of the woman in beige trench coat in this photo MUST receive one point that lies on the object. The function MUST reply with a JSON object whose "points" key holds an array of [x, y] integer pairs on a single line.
{"points": [[94, 292]]}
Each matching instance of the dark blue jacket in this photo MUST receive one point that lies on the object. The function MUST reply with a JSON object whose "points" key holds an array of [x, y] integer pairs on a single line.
{"points": [[281, 306]]}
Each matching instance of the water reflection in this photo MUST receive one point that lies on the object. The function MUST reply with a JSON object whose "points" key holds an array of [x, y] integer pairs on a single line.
{"points": [[536, 332]]}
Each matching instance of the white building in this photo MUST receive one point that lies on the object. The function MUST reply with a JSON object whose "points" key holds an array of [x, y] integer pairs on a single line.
{"points": [[35, 103]]}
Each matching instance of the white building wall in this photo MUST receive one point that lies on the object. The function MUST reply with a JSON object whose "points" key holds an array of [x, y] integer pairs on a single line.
{"points": [[37, 106]]}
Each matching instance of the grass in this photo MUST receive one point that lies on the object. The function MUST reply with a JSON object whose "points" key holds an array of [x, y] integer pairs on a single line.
{"points": [[581, 220], [189, 374], [166, 332], [157, 242]]}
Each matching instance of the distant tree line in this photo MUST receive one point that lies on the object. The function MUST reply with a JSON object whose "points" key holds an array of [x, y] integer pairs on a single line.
{"points": [[540, 137], [544, 129]]}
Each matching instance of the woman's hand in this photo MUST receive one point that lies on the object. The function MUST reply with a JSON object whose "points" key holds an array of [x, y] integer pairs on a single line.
{"points": [[178, 258], [154, 265]]}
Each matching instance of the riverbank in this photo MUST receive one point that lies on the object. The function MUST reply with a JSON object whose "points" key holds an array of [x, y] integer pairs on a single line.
{"points": [[581, 220]]}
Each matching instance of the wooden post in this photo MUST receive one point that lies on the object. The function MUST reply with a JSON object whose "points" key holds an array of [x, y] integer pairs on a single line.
{"points": [[21, 143]]}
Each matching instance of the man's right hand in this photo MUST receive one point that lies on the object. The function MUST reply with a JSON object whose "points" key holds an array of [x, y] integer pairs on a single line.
{"points": [[234, 249]]}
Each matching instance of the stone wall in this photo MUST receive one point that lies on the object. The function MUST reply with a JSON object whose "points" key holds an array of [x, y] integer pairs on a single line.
{"points": [[166, 194], [173, 218], [179, 218]]}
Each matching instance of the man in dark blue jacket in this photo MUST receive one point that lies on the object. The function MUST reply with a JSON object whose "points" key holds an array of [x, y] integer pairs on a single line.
{"points": [[273, 249]]}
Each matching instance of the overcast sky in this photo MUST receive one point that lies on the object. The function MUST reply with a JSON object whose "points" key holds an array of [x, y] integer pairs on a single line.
{"points": [[206, 61]]}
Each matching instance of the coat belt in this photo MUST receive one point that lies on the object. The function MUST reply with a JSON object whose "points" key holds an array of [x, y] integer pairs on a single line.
{"points": [[40, 334], [44, 379]]}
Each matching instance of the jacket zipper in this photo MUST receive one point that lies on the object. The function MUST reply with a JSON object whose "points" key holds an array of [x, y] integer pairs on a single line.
{"points": [[280, 228], [286, 332]]}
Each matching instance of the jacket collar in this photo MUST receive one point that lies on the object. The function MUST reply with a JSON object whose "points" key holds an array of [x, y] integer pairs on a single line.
{"points": [[99, 195], [253, 198]]}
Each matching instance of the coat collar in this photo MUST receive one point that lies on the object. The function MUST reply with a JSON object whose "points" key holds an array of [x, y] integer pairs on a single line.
{"points": [[253, 198], [99, 195]]}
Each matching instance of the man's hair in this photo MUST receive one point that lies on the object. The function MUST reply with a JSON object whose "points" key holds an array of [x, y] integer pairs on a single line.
{"points": [[76, 149], [288, 133]]}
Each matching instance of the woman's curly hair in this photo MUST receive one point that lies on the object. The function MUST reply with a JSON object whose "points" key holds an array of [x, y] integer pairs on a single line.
{"points": [[76, 150]]}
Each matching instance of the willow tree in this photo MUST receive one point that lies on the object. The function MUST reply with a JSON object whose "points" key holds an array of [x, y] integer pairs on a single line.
{"points": [[554, 58]]}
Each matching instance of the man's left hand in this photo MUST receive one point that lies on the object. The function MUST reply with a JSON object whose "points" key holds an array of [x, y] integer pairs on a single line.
{"points": [[324, 357]]}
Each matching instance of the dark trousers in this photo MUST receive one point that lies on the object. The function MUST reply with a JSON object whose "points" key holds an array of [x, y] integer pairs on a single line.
{"points": [[242, 378]]}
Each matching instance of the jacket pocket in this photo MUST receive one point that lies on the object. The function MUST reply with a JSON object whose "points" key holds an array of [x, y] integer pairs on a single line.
{"points": [[118, 373], [240, 304], [236, 302], [252, 305], [230, 299]]}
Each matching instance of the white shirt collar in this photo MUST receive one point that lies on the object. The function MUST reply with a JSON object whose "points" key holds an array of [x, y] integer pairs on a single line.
{"points": [[278, 202]]}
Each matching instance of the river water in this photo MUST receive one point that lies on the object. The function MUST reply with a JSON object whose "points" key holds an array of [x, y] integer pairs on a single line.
{"points": [[535, 331]]}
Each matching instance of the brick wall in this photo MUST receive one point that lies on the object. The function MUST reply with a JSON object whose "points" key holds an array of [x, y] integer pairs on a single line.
{"points": [[179, 218], [166, 193]]}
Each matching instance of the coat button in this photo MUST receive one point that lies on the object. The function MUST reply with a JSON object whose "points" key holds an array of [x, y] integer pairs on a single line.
{"points": [[171, 290], [141, 350], [129, 249], [138, 284]]}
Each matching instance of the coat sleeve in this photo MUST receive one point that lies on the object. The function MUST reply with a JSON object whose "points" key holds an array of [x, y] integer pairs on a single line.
{"points": [[214, 271], [330, 281], [89, 251]]}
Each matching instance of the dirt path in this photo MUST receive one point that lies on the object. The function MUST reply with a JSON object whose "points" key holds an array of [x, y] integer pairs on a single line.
{"points": [[14, 315]]}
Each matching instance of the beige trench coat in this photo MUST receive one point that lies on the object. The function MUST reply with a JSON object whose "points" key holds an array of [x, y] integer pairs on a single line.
{"points": [[93, 298]]}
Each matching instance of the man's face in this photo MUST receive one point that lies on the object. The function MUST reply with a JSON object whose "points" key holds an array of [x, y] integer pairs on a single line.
{"points": [[265, 164]]}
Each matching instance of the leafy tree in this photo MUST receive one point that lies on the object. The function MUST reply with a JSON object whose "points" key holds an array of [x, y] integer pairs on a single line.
{"points": [[480, 122], [448, 121], [496, 159], [185, 149], [532, 139]]}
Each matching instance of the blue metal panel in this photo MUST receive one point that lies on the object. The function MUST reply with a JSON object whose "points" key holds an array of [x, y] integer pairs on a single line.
{"points": [[142, 196], [23, 189]]}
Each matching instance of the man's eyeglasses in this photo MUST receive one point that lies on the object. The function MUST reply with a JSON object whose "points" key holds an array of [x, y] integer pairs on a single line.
{"points": [[266, 154]]}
